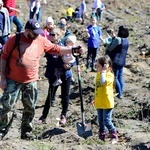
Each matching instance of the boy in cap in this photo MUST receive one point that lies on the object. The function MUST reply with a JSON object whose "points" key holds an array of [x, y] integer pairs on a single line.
{"points": [[23, 74]]}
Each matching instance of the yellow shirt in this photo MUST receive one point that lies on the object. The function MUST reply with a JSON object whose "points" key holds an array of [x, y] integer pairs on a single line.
{"points": [[104, 96], [69, 11]]}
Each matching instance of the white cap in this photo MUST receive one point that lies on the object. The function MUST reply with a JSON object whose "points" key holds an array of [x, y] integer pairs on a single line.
{"points": [[72, 38], [50, 19]]}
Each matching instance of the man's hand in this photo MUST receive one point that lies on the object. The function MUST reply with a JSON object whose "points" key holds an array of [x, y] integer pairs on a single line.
{"points": [[105, 67], [77, 50], [3, 84]]}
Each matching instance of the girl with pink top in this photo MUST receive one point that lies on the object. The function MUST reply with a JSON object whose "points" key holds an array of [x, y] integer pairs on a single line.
{"points": [[48, 27]]}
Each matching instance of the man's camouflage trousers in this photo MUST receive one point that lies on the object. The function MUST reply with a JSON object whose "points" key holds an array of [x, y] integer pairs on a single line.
{"points": [[13, 92]]}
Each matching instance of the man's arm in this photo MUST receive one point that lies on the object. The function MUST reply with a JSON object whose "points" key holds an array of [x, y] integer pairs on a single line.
{"points": [[3, 74], [68, 50], [15, 9], [56, 49], [3, 68]]}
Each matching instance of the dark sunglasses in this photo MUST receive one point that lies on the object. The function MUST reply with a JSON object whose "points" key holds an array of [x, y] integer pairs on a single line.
{"points": [[52, 34], [61, 24]]}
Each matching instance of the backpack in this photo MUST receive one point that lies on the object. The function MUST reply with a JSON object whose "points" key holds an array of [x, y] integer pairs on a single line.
{"points": [[15, 44], [1, 49]]}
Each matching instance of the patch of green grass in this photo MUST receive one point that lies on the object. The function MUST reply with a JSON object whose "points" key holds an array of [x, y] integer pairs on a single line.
{"points": [[39, 129], [38, 145], [125, 126], [92, 141]]}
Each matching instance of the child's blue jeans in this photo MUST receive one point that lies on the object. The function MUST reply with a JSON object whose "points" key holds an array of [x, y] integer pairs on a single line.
{"points": [[105, 120]]}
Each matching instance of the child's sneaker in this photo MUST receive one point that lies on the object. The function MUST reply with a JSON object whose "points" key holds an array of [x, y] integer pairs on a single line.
{"points": [[114, 137], [62, 120], [102, 136], [57, 82]]}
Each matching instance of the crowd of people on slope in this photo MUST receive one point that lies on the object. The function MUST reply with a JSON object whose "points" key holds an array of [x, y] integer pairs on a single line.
{"points": [[56, 41]]}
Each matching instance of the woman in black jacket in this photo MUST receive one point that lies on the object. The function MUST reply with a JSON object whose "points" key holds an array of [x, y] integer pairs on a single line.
{"points": [[117, 50]]}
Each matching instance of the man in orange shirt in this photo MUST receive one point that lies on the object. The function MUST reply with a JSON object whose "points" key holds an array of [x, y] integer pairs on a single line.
{"points": [[23, 74]]}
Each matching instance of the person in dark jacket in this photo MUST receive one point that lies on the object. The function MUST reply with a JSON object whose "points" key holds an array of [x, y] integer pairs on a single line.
{"points": [[117, 51], [53, 62]]}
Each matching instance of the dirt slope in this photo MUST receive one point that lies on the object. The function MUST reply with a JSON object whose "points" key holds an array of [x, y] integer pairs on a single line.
{"points": [[131, 115]]}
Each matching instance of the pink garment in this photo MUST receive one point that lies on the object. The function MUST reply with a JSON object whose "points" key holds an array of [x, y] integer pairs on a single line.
{"points": [[46, 34], [8, 4]]}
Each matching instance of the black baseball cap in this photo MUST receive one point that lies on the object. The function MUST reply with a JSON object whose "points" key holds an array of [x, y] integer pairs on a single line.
{"points": [[34, 26]]}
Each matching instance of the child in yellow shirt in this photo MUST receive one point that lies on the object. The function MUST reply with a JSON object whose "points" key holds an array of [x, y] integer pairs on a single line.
{"points": [[104, 98], [69, 12]]}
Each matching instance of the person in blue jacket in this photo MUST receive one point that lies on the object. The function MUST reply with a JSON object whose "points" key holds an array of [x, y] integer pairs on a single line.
{"points": [[94, 33], [117, 50]]}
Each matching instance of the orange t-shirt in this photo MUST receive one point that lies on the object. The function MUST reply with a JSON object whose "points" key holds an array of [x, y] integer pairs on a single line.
{"points": [[26, 70]]}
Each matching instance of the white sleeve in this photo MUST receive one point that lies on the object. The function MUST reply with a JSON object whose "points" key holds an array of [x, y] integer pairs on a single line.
{"points": [[103, 77]]}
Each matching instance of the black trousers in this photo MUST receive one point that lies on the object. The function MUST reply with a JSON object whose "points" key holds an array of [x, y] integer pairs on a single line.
{"points": [[65, 95]]}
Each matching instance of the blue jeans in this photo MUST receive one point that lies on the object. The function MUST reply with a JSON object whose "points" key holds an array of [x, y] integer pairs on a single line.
{"points": [[105, 120], [17, 22], [92, 52], [38, 15], [118, 72], [99, 14]]}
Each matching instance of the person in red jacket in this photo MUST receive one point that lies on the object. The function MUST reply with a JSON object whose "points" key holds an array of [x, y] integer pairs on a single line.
{"points": [[13, 14]]}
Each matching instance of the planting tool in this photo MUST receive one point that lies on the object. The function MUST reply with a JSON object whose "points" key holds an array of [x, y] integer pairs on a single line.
{"points": [[84, 129]]}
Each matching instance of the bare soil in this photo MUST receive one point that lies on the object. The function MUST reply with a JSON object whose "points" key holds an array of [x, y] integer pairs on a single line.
{"points": [[131, 114]]}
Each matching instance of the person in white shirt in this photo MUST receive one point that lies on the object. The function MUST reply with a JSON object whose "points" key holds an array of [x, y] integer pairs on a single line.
{"points": [[97, 9]]}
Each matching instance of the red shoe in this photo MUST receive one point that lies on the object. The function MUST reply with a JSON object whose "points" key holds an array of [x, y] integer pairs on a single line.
{"points": [[114, 137]]}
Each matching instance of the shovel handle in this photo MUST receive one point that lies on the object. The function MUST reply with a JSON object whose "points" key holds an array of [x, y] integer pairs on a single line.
{"points": [[76, 53]]}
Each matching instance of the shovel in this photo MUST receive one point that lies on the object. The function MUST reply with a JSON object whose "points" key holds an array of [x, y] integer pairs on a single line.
{"points": [[84, 129]]}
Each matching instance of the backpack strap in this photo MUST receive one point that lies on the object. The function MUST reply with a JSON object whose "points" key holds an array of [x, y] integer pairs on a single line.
{"points": [[17, 40], [16, 43]]}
